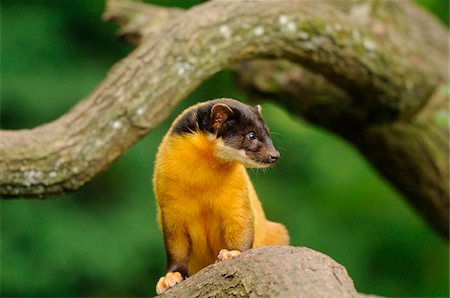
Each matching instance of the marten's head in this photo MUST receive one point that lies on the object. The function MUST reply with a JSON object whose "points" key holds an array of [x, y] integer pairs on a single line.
{"points": [[238, 131]]}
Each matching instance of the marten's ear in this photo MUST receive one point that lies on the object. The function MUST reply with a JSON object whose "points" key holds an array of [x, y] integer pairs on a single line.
{"points": [[219, 114], [259, 109]]}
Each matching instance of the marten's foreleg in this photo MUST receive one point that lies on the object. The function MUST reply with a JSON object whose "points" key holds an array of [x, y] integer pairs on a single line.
{"points": [[238, 232]]}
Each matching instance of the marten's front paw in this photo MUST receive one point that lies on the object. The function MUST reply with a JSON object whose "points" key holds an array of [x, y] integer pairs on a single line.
{"points": [[225, 254], [168, 281]]}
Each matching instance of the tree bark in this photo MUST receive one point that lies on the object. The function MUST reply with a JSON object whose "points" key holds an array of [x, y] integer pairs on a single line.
{"points": [[282, 271], [376, 72]]}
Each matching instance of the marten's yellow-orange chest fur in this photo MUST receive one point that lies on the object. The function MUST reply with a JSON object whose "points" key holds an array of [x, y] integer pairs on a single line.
{"points": [[205, 199]]}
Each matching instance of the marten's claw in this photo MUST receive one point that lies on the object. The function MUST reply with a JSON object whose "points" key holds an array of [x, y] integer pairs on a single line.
{"points": [[168, 281], [225, 254]]}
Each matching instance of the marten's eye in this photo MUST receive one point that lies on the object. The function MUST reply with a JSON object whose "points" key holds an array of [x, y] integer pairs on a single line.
{"points": [[252, 136]]}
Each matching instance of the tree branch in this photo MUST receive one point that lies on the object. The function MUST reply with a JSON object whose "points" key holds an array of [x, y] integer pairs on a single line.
{"points": [[294, 272], [383, 76], [409, 149]]}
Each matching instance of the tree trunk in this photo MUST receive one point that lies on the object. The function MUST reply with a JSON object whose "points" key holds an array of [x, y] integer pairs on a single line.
{"points": [[373, 73]]}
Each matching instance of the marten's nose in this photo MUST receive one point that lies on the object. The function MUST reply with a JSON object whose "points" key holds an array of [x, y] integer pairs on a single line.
{"points": [[274, 156]]}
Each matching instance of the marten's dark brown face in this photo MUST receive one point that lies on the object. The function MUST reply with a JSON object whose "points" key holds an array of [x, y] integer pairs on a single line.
{"points": [[242, 135], [238, 131]]}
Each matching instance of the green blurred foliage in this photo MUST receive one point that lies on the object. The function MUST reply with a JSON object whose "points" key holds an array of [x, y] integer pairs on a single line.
{"points": [[103, 240]]}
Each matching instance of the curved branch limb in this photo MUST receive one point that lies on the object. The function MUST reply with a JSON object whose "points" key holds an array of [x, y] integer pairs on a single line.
{"points": [[139, 91], [415, 145]]}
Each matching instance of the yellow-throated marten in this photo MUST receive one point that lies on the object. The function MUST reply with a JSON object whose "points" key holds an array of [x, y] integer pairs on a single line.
{"points": [[206, 202]]}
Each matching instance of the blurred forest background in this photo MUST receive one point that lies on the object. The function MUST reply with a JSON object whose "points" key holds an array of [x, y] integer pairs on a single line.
{"points": [[103, 240]]}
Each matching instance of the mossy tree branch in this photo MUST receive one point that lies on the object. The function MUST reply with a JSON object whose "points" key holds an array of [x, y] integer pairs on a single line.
{"points": [[311, 96], [386, 73]]}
